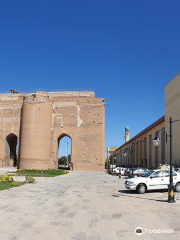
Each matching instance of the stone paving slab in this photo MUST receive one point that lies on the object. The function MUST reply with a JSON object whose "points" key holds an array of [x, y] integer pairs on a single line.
{"points": [[84, 206], [6, 170], [19, 178]]}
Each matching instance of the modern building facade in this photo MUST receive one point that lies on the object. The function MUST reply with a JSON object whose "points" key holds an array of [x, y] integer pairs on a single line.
{"points": [[32, 125]]}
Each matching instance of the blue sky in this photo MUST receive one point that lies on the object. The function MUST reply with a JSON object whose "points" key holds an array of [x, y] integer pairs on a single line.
{"points": [[64, 147], [126, 51]]}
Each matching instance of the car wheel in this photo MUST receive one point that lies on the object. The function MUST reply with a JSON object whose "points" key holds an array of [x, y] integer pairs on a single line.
{"points": [[177, 187], [141, 189]]}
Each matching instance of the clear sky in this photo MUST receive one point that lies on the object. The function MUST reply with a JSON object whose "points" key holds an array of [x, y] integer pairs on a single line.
{"points": [[64, 147], [126, 51]]}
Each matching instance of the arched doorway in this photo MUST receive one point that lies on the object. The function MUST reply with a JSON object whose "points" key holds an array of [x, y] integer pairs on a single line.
{"points": [[64, 152], [11, 148]]}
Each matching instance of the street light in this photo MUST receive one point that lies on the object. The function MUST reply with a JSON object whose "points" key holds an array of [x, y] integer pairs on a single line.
{"points": [[114, 158], [132, 154], [131, 150], [125, 154], [67, 152], [108, 162], [132, 157], [157, 141]]}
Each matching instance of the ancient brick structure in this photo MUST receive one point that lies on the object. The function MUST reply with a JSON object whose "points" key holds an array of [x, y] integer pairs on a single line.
{"points": [[31, 126]]}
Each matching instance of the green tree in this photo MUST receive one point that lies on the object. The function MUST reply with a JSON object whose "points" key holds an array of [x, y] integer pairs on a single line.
{"points": [[62, 160]]}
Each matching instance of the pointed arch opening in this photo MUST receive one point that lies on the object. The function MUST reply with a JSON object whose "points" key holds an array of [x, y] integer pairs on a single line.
{"points": [[11, 150], [64, 152]]}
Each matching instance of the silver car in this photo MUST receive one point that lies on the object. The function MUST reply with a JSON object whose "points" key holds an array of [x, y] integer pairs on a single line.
{"points": [[140, 172]]}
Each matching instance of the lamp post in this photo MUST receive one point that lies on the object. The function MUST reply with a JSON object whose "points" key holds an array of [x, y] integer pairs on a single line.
{"points": [[157, 142], [132, 157], [144, 141], [132, 154], [114, 158], [125, 155], [108, 162], [67, 152], [131, 149]]}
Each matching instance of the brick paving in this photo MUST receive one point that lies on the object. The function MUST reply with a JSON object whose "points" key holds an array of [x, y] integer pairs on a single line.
{"points": [[85, 206]]}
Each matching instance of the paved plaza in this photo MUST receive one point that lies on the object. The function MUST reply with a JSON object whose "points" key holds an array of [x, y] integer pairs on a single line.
{"points": [[84, 206]]}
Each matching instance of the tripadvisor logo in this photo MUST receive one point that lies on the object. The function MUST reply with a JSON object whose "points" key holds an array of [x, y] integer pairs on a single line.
{"points": [[139, 231]]}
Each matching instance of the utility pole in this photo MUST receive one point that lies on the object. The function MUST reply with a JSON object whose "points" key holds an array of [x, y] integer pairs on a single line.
{"points": [[157, 142], [67, 151]]}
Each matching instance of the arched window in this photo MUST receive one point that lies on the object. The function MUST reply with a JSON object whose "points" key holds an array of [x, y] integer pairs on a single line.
{"points": [[64, 152]]}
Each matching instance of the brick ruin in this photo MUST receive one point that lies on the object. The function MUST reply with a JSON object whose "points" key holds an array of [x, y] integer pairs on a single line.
{"points": [[31, 126]]}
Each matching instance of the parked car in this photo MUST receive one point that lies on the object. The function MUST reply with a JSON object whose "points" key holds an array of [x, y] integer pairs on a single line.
{"points": [[129, 172], [152, 180], [116, 170], [119, 171], [177, 170], [140, 172], [110, 171], [122, 171]]}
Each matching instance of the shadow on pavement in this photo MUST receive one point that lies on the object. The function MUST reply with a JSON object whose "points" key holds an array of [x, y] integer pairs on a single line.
{"points": [[114, 195], [132, 194]]}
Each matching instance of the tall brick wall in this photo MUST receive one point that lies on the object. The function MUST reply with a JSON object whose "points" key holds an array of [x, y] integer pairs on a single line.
{"points": [[40, 119]]}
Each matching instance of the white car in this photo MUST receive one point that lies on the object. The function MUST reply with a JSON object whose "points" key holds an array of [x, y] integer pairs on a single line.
{"points": [[116, 170], [122, 171], [155, 179], [119, 170]]}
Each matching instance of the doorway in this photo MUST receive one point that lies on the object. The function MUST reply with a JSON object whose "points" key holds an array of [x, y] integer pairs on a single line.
{"points": [[64, 152], [11, 149]]}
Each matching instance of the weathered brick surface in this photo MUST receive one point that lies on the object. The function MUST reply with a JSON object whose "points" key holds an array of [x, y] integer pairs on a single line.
{"points": [[40, 119]]}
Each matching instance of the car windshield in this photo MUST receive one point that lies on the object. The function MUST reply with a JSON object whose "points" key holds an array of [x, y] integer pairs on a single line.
{"points": [[148, 174]]}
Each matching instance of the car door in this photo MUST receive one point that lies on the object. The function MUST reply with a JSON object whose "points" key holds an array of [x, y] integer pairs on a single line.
{"points": [[141, 172], [166, 175], [175, 178], [156, 180], [145, 170], [122, 170]]}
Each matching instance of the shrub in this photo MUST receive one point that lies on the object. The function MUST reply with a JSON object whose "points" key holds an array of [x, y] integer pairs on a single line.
{"points": [[17, 184], [65, 171], [5, 178], [40, 173], [30, 180], [47, 171]]}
